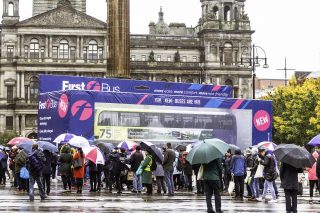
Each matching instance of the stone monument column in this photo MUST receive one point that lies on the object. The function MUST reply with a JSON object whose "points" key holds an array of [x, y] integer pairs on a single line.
{"points": [[119, 38]]}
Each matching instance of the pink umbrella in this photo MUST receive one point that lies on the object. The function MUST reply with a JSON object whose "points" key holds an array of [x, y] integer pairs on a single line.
{"points": [[18, 140], [267, 144], [93, 154]]}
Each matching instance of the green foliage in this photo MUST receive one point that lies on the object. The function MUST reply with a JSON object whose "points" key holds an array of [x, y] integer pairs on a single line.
{"points": [[296, 112], [6, 136]]}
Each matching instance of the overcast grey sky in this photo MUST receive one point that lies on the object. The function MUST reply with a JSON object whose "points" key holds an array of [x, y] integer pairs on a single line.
{"points": [[284, 28]]}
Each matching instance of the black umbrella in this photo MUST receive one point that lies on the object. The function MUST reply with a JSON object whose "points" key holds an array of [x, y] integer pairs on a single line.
{"points": [[155, 151], [233, 148], [105, 147], [294, 155]]}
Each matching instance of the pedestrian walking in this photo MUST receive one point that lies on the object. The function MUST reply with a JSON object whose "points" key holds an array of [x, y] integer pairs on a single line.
{"points": [[21, 161], [159, 174], [199, 183], [211, 177], [115, 169], [227, 169], [177, 173], [187, 171], [35, 166], [169, 159], [312, 177], [65, 161], [135, 160], [3, 167], [289, 182], [12, 155], [270, 174], [47, 171], [238, 170], [78, 172], [93, 170], [254, 182], [146, 172]]}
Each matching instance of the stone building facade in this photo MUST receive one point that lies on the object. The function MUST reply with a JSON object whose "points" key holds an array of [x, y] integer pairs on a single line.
{"points": [[61, 39]]}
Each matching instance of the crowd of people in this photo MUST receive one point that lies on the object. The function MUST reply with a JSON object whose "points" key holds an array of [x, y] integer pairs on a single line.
{"points": [[140, 171]]}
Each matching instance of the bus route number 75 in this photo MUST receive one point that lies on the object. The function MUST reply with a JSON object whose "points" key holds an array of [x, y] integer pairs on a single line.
{"points": [[105, 133]]}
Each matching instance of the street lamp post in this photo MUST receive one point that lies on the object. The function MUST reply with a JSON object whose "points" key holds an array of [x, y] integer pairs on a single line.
{"points": [[253, 63]]}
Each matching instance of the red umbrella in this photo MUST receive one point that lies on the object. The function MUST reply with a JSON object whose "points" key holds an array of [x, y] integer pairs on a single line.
{"points": [[18, 140], [93, 154]]}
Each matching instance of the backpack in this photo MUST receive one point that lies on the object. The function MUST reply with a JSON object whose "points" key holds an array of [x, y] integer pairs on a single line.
{"points": [[35, 163], [153, 166]]}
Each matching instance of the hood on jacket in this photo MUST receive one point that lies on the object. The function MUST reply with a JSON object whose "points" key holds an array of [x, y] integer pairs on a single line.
{"points": [[237, 152]]}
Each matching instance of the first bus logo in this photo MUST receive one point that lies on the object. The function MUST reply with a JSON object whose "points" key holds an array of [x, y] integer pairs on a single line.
{"points": [[63, 106]]}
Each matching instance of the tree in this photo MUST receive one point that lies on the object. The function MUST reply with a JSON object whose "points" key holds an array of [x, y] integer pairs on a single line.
{"points": [[6, 136], [296, 112]]}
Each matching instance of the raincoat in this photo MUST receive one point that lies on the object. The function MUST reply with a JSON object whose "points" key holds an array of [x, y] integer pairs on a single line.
{"points": [[312, 175]]}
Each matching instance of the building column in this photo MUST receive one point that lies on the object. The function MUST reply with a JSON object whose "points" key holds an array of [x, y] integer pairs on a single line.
{"points": [[18, 85], [1, 85], [175, 78], [50, 46], [17, 123], [81, 47], [150, 77], [22, 86], [22, 46], [2, 122], [46, 54], [240, 87], [23, 125], [18, 46], [218, 81], [78, 48]]}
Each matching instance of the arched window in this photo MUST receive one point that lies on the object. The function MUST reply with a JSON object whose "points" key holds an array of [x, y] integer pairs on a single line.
{"points": [[227, 54], [34, 48], [34, 86], [216, 12], [190, 81], [228, 82], [93, 50], [165, 80], [227, 13], [64, 49], [10, 9]]}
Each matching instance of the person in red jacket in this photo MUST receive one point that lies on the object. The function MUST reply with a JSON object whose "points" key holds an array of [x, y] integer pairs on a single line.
{"points": [[78, 173], [312, 176]]}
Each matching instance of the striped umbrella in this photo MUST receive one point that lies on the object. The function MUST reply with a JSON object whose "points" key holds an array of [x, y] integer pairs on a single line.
{"points": [[267, 144], [18, 140]]}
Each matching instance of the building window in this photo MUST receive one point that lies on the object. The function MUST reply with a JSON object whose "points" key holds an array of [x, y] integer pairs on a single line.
{"points": [[42, 52], [9, 123], [26, 52], [34, 49], [34, 85], [133, 58], [10, 52], [159, 58], [26, 93], [101, 53], [227, 54], [55, 53], [184, 58], [64, 49], [143, 58], [227, 16], [10, 9], [215, 12], [169, 59], [93, 50], [73, 53], [31, 120], [10, 94], [194, 59]]}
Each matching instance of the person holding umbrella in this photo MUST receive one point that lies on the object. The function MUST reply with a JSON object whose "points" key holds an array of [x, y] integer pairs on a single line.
{"points": [[146, 171], [312, 177], [46, 172], [135, 160], [78, 172], [293, 159]]}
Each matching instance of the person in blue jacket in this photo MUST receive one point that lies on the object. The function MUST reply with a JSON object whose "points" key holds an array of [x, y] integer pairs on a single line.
{"points": [[238, 170]]}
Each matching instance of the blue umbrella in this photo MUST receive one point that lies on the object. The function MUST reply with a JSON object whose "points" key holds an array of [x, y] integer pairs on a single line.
{"points": [[27, 146], [315, 141], [44, 145]]}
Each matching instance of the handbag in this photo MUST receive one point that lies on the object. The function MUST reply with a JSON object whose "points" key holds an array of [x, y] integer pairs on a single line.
{"points": [[231, 186], [24, 173], [139, 170], [77, 163], [247, 177], [200, 173], [259, 172]]}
